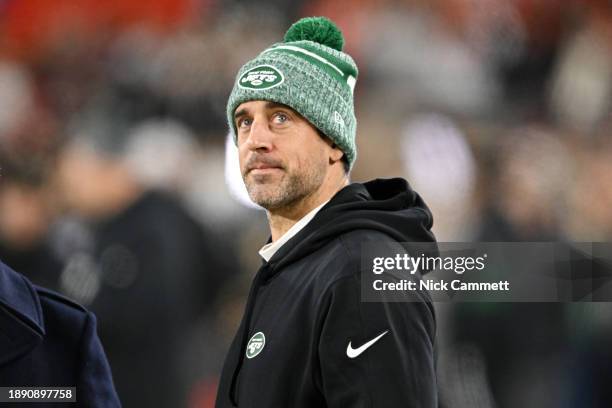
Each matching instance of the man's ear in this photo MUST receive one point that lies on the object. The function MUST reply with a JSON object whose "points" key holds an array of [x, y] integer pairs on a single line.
{"points": [[335, 154]]}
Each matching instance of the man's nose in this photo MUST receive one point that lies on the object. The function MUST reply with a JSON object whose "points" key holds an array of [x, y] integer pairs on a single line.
{"points": [[260, 136]]}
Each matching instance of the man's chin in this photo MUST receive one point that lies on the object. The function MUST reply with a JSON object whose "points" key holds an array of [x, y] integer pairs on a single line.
{"points": [[266, 197], [266, 203]]}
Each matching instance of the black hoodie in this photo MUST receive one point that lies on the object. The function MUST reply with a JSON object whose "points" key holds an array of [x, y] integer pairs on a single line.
{"points": [[307, 339]]}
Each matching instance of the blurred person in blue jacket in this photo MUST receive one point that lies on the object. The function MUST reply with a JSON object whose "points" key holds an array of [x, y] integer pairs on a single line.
{"points": [[47, 340]]}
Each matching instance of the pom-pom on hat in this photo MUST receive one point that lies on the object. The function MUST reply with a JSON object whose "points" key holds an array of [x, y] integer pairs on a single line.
{"points": [[309, 73]]}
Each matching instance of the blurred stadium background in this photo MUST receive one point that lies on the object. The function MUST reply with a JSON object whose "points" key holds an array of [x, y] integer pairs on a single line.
{"points": [[117, 188]]}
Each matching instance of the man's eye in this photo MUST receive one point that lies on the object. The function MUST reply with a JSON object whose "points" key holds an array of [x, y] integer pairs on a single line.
{"points": [[244, 122], [281, 117]]}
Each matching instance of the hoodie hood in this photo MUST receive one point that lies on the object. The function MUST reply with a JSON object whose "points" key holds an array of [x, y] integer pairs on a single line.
{"points": [[389, 206]]}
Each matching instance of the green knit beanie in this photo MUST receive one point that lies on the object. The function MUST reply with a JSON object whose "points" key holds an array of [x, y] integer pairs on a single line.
{"points": [[309, 73]]}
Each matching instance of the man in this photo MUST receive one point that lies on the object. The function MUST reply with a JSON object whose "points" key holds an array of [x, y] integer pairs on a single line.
{"points": [[47, 340], [306, 338], [154, 268]]}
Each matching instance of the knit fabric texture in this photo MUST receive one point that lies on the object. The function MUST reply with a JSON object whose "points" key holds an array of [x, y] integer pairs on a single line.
{"points": [[312, 78]]}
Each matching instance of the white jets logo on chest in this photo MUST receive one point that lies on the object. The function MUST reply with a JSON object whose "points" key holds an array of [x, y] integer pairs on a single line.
{"points": [[255, 345]]}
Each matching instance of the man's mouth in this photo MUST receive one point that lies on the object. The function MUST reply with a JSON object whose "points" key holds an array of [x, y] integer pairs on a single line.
{"points": [[264, 169]]}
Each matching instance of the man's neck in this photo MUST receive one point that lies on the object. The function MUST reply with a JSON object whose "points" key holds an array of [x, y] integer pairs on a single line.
{"points": [[282, 219]]}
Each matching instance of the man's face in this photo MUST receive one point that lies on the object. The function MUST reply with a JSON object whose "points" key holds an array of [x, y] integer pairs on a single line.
{"points": [[282, 157]]}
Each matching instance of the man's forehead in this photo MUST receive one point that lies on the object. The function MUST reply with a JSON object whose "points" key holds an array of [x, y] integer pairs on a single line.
{"points": [[249, 106]]}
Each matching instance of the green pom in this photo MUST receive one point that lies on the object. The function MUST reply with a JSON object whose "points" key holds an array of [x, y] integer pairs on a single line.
{"points": [[318, 29]]}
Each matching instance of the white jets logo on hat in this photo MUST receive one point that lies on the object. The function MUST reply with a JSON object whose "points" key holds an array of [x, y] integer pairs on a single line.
{"points": [[261, 77]]}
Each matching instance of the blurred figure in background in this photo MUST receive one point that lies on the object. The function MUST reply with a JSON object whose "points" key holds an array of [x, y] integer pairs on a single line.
{"points": [[27, 211], [527, 175], [138, 259], [506, 347]]}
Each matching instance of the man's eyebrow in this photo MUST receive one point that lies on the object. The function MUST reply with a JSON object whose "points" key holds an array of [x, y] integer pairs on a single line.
{"points": [[272, 105], [269, 105], [240, 113]]}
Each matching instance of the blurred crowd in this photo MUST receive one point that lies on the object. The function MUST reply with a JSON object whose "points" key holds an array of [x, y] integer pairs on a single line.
{"points": [[119, 186]]}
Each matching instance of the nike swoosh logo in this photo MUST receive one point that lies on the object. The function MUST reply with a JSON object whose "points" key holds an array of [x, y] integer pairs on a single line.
{"points": [[352, 353]]}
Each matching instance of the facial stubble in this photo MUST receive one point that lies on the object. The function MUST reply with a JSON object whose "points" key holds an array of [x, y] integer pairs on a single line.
{"points": [[274, 192]]}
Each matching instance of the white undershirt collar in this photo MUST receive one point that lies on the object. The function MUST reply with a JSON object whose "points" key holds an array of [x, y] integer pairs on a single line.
{"points": [[268, 250]]}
